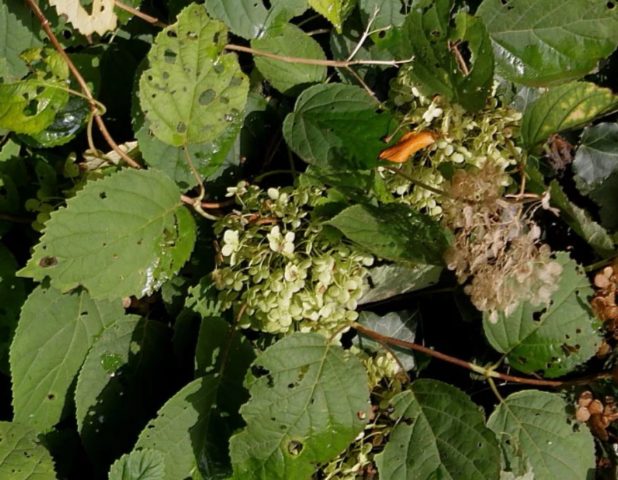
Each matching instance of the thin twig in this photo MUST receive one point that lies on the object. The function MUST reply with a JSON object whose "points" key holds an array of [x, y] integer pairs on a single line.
{"points": [[207, 205], [486, 372], [313, 61], [461, 63], [144, 16], [81, 82]]}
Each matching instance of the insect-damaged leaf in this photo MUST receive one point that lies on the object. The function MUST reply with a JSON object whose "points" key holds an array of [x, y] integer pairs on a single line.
{"points": [[120, 236]]}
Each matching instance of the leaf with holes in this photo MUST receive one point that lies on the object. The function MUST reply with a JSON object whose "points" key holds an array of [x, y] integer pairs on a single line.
{"points": [[13, 294], [178, 431], [536, 432], [251, 18], [125, 377], [309, 400], [335, 11], [563, 108], [554, 339], [100, 19], [144, 464], [596, 158], [394, 232], [49, 349], [540, 43], [385, 13], [192, 91], [123, 235], [22, 457], [289, 40], [440, 433], [336, 126]]}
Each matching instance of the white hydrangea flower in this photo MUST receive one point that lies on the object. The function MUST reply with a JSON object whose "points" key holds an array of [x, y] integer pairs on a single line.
{"points": [[231, 245], [239, 189]]}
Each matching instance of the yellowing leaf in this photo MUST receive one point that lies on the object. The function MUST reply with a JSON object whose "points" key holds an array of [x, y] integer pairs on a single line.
{"points": [[101, 18]]}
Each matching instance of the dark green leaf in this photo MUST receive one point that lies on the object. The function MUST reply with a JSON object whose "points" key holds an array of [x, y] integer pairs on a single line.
{"points": [[400, 325], [390, 280], [606, 196], [144, 464], [581, 223], [440, 434], [563, 108], [394, 232], [13, 294], [22, 457], [385, 13], [68, 121], [251, 18], [289, 40], [336, 126], [192, 91], [541, 43], [597, 156], [120, 385], [178, 431], [553, 339], [54, 334], [536, 433], [123, 235], [308, 402]]}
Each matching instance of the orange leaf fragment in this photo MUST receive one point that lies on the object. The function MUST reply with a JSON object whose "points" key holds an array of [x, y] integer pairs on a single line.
{"points": [[408, 145]]}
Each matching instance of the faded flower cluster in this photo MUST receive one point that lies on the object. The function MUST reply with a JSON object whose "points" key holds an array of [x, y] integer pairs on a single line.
{"points": [[497, 248], [464, 139], [275, 263]]}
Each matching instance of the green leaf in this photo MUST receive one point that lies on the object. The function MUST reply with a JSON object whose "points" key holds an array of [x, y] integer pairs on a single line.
{"points": [[541, 43], [385, 13], [251, 18], [122, 235], [400, 325], [67, 122], [563, 108], [336, 126], [22, 457], [597, 156], [120, 386], [440, 434], [606, 196], [178, 431], [335, 11], [13, 294], [581, 223], [144, 464], [289, 40], [429, 36], [390, 280], [192, 91], [536, 432], [224, 353], [394, 232], [29, 107], [307, 401], [552, 340], [16, 37], [54, 333]]}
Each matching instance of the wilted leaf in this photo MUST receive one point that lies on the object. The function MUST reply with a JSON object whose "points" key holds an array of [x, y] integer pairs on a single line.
{"points": [[122, 235], [562, 108], [534, 429], [394, 232], [550, 41], [440, 434], [22, 457], [309, 400], [552, 339], [192, 91], [144, 464], [101, 18], [289, 40], [336, 126], [48, 350]]}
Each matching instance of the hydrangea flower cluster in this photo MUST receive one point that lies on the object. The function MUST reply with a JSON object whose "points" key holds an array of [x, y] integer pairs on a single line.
{"points": [[275, 264], [497, 246], [464, 139]]}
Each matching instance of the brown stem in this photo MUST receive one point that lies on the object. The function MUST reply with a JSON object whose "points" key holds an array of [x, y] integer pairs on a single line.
{"points": [[475, 368], [207, 205], [81, 82], [144, 16]]}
